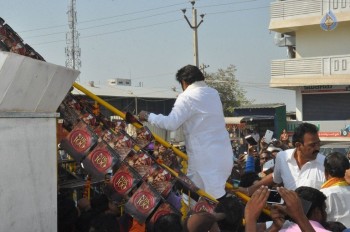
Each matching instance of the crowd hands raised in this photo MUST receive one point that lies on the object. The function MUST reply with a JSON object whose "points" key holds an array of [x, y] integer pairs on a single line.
{"points": [[315, 190], [292, 208]]}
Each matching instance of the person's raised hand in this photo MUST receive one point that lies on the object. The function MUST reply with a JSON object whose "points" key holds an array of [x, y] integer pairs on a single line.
{"points": [[292, 202], [277, 216], [294, 209], [347, 176], [143, 116], [256, 204], [263, 144]]}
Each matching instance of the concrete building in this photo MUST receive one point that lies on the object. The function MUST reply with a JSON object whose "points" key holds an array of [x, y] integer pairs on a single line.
{"points": [[317, 37], [30, 90]]}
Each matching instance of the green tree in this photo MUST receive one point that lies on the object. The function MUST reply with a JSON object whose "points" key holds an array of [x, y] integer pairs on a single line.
{"points": [[231, 94]]}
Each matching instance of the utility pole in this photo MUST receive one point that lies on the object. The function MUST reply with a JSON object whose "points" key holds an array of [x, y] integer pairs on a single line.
{"points": [[72, 39], [202, 67], [194, 27]]}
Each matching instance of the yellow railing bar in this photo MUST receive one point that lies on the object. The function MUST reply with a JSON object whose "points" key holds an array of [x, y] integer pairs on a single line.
{"points": [[122, 115], [160, 140], [245, 197], [200, 192], [137, 125]]}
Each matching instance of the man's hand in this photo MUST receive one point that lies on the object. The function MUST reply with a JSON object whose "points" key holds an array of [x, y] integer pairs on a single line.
{"points": [[278, 217], [256, 204], [143, 116], [292, 201], [347, 176], [263, 144], [294, 209]]}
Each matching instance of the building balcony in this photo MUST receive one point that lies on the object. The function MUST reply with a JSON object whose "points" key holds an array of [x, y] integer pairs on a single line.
{"points": [[311, 71], [287, 16]]}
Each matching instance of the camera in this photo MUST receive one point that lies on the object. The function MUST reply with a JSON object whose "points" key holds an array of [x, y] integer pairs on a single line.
{"points": [[250, 140], [274, 197]]}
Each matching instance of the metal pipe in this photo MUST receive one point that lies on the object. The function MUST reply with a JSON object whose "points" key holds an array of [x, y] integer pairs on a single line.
{"points": [[163, 142], [122, 115]]}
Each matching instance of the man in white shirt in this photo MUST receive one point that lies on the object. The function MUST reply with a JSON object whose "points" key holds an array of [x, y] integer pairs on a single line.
{"points": [[301, 166], [337, 189], [288, 172], [199, 110]]}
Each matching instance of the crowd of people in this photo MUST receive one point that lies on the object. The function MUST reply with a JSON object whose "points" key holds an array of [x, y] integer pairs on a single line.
{"points": [[314, 188]]}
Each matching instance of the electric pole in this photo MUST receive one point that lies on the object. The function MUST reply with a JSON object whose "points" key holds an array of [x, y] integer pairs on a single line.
{"points": [[202, 67], [194, 27], [72, 39]]}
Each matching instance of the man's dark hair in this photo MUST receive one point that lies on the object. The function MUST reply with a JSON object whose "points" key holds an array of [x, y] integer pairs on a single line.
{"points": [[105, 222], [248, 178], [315, 196], [99, 203], [67, 214], [233, 209], [169, 222], [335, 164], [301, 130], [334, 226], [189, 74]]}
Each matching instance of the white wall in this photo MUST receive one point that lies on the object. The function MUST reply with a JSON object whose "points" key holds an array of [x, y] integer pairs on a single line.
{"points": [[299, 105], [313, 41], [28, 170]]}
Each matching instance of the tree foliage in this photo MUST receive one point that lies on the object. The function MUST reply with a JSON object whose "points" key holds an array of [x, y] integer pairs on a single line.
{"points": [[231, 94]]}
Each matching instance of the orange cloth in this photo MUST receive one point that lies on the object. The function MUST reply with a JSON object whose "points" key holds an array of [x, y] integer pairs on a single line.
{"points": [[334, 182], [137, 227]]}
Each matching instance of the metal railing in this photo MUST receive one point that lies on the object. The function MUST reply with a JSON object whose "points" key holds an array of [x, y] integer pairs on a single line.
{"points": [[296, 8], [312, 66]]}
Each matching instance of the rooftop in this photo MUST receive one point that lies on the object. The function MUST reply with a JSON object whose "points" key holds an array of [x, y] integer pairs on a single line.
{"points": [[129, 91]]}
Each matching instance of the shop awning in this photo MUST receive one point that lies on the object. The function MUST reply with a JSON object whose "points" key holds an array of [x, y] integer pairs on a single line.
{"points": [[233, 120]]}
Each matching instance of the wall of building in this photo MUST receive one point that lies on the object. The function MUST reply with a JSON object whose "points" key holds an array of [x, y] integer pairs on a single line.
{"points": [[28, 172], [313, 41], [299, 104]]}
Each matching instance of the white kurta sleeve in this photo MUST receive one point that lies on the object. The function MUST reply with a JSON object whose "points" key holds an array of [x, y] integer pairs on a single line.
{"points": [[178, 115], [277, 175]]}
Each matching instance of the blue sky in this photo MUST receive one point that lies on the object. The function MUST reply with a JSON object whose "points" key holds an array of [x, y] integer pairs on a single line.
{"points": [[149, 40]]}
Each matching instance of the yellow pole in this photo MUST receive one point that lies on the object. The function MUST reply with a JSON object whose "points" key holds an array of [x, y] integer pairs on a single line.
{"points": [[160, 140], [121, 114], [200, 192], [245, 197]]}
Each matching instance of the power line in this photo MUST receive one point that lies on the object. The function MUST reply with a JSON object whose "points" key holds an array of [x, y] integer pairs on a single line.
{"points": [[104, 18], [238, 10], [141, 18], [107, 24], [129, 29], [230, 3], [112, 32], [131, 13]]}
